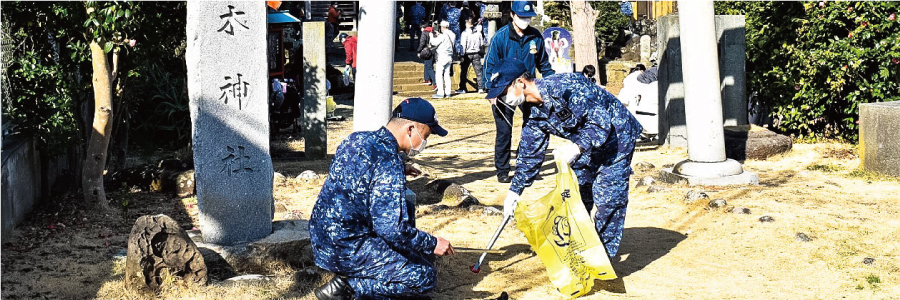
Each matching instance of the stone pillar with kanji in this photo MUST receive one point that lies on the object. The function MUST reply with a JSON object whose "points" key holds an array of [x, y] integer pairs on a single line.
{"points": [[228, 90]]}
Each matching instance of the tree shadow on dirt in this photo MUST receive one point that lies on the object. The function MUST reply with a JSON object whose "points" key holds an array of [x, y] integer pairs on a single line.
{"points": [[455, 164], [642, 246], [456, 281]]}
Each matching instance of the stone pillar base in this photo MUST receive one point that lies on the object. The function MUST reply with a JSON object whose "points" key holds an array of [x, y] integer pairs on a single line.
{"points": [[668, 175], [287, 246]]}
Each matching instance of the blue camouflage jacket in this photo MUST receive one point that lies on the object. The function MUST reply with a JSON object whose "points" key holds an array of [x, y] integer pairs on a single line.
{"points": [[578, 110], [507, 44], [361, 221], [418, 14]]}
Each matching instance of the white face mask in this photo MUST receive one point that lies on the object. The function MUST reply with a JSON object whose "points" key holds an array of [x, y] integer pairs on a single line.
{"points": [[513, 100], [415, 151], [520, 22]]}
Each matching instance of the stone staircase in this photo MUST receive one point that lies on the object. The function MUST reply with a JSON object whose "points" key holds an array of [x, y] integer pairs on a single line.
{"points": [[408, 80]]}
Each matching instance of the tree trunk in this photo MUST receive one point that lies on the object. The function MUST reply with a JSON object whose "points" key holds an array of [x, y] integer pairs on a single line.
{"points": [[584, 39], [95, 158], [119, 142]]}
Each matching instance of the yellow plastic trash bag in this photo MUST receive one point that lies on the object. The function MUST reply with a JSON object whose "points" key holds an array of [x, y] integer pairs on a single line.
{"points": [[561, 232], [330, 106]]}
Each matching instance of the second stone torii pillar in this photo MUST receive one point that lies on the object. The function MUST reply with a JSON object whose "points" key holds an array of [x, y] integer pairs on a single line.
{"points": [[706, 163], [372, 98]]}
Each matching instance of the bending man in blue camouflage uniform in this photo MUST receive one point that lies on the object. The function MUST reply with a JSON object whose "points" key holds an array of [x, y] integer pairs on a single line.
{"points": [[602, 132], [361, 226]]}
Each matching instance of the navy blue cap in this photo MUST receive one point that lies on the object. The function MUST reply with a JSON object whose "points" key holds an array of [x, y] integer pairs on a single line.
{"points": [[507, 72], [419, 110], [523, 9]]}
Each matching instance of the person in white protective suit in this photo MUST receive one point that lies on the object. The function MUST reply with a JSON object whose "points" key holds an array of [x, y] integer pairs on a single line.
{"points": [[642, 101]]}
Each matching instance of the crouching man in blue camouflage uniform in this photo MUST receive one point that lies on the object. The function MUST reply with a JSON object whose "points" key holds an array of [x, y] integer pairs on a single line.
{"points": [[602, 132], [362, 228]]}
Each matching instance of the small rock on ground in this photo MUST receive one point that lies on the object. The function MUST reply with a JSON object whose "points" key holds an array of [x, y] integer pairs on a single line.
{"points": [[741, 210], [488, 210], [435, 208], [802, 237], [278, 178], [308, 175], [717, 203], [485, 210], [693, 195], [766, 219], [249, 277], [868, 260], [647, 181], [644, 166], [457, 195], [656, 189]]}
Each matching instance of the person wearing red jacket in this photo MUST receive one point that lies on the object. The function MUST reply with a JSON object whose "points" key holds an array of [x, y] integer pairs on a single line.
{"points": [[350, 49]]}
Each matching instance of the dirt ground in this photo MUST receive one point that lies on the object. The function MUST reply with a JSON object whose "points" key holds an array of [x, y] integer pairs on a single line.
{"points": [[670, 249]]}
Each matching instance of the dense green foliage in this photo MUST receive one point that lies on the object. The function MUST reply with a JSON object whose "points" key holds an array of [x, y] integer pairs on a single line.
{"points": [[48, 71], [608, 23], [46, 79], [813, 63]]}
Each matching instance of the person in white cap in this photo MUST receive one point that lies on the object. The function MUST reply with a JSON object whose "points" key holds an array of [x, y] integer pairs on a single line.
{"points": [[443, 44]]}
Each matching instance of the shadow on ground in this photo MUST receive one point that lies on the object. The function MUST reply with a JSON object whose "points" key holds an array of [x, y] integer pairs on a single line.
{"points": [[642, 246], [456, 281]]}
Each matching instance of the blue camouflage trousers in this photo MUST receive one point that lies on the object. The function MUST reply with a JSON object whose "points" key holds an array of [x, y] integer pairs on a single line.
{"points": [[409, 279], [607, 188]]}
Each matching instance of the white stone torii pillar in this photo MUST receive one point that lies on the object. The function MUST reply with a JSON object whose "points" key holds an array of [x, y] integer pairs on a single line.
{"points": [[372, 98], [706, 163]]}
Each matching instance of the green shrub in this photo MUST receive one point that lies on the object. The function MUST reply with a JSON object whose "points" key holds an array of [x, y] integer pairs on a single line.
{"points": [[813, 63]]}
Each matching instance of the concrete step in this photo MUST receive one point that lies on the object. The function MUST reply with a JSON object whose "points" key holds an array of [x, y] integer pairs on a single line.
{"points": [[409, 74], [412, 87], [408, 80], [423, 95], [427, 96], [408, 67]]}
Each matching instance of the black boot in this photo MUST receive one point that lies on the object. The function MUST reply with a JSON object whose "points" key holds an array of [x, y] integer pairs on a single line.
{"points": [[336, 289], [503, 177]]}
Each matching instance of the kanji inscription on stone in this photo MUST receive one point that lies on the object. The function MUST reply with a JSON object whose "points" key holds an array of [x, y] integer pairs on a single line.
{"points": [[232, 15], [237, 87], [236, 161]]}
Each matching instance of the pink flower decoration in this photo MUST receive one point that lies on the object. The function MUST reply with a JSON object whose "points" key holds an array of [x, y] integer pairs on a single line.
{"points": [[892, 17], [797, 87], [845, 67], [821, 3], [132, 43], [850, 9], [895, 61], [864, 24]]}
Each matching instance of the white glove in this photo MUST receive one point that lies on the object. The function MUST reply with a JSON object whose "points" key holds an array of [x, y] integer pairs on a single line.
{"points": [[509, 205], [567, 153]]}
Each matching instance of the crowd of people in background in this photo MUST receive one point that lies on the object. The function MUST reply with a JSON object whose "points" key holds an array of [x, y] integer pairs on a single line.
{"points": [[456, 33]]}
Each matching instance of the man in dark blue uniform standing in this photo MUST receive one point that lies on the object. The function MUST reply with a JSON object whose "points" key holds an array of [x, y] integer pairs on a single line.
{"points": [[362, 228], [522, 42], [602, 133]]}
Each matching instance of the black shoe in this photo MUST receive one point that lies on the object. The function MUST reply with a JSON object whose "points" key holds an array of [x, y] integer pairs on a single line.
{"points": [[503, 177], [336, 289], [503, 296]]}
